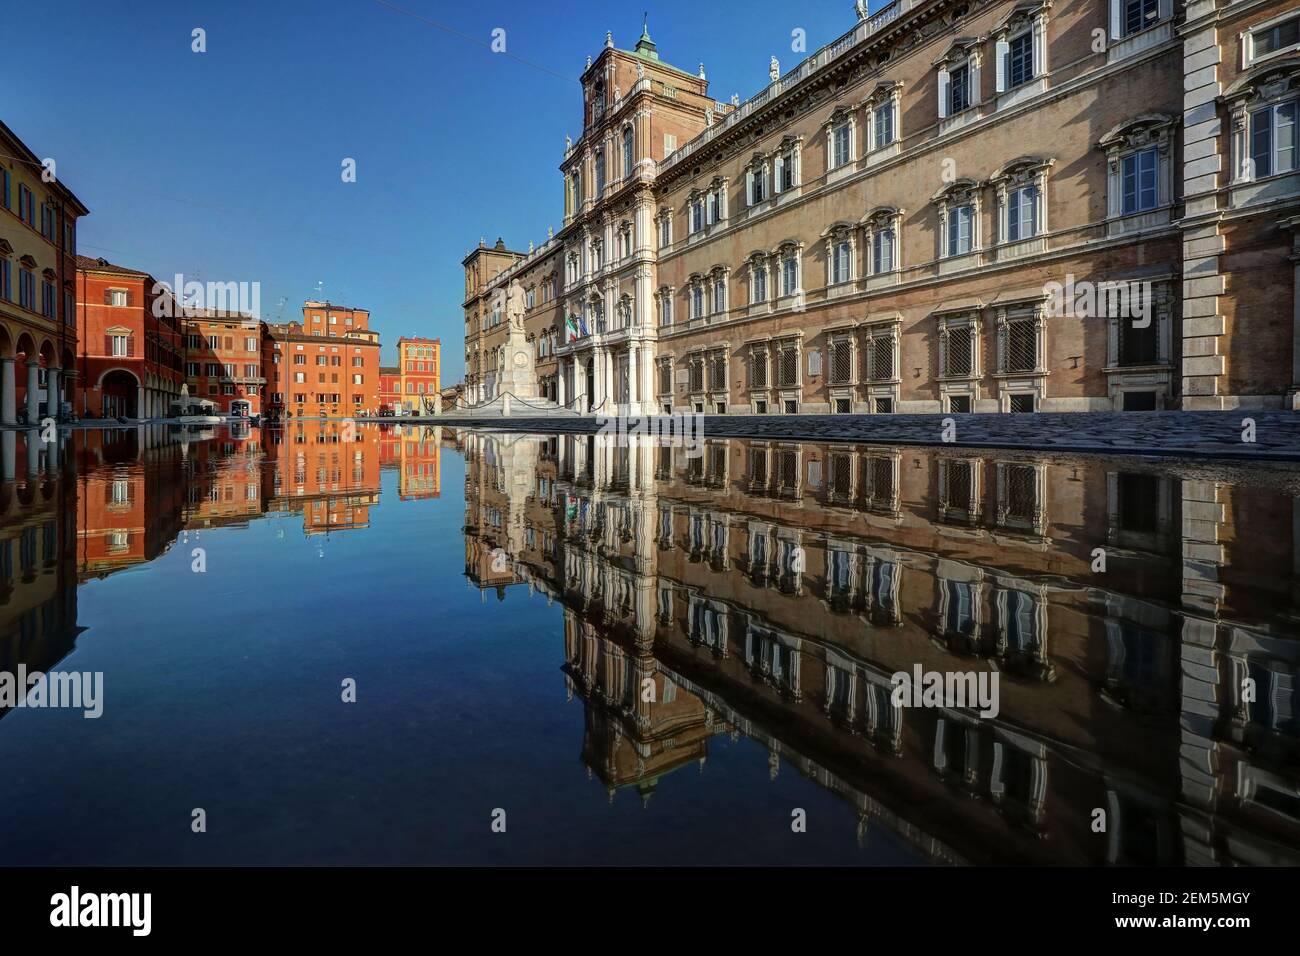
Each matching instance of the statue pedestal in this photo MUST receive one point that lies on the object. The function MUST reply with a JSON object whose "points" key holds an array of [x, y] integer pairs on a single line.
{"points": [[519, 375]]}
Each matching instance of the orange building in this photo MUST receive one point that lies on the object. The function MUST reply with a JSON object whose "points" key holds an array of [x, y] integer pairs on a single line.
{"points": [[329, 363], [419, 361], [131, 358], [223, 359]]}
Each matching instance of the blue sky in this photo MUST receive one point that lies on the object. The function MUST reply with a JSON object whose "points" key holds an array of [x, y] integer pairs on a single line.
{"points": [[226, 165]]}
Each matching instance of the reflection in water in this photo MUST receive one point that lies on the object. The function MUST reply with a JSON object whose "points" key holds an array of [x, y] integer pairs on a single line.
{"points": [[766, 591], [770, 589]]}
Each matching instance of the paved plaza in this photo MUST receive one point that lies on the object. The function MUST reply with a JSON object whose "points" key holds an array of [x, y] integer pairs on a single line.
{"points": [[1222, 435]]}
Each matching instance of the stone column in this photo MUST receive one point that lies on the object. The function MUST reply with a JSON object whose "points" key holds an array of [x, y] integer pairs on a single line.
{"points": [[633, 373], [139, 403], [8, 452], [8, 392], [560, 391], [33, 392], [33, 453], [599, 355], [609, 382], [648, 397]]}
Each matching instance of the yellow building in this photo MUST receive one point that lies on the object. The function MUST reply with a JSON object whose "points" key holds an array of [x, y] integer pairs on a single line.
{"points": [[38, 272]]}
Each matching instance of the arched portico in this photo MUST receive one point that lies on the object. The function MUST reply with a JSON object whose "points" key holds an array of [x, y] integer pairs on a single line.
{"points": [[120, 393]]}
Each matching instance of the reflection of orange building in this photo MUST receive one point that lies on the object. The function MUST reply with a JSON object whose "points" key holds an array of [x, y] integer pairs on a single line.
{"points": [[129, 500], [225, 479], [329, 470], [329, 362], [414, 449]]}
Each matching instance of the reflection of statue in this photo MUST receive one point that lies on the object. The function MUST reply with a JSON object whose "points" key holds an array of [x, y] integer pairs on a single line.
{"points": [[515, 305]]}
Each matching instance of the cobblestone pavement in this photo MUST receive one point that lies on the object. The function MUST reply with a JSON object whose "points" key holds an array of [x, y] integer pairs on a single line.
{"points": [[1220, 435]]}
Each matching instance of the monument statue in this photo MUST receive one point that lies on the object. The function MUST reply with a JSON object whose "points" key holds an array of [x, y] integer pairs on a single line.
{"points": [[861, 7], [515, 305]]}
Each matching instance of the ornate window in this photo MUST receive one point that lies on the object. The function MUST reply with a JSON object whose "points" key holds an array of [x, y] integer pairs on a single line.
{"points": [[882, 112], [787, 165], [959, 218], [881, 230], [841, 138], [665, 221], [665, 299], [718, 277], [1022, 199], [1139, 167], [880, 342], [628, 157], [758, 372], [841, 249], [1020, 45], [697, 296], [789, 256], [758, 268], [959, 77], [756, 179]]}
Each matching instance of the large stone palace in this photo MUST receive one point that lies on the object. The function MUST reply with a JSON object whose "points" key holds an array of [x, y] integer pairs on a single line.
{"points": [[958, 205]]}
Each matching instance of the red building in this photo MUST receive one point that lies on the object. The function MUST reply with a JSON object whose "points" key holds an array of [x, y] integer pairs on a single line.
{"points": [[131, 359], [390, 388]]}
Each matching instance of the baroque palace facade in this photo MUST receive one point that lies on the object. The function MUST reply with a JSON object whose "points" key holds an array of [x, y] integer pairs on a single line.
{"points": [[879, 230]]}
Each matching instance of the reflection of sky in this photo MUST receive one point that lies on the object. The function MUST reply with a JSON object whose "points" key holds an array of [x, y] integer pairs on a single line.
{"points": [[222, 691]]}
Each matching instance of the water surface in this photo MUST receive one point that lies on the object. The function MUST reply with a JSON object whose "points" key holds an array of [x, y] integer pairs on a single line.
{"points": [[640, 654]]}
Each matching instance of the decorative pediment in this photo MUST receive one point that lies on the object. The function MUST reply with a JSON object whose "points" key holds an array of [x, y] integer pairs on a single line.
{"points": [[27, 262], [1266, 82], [881, 216], [837, 229], [5, 248], [49, 275], [1022, 14], [1139, 131], [838, 115], [882, 92], [959, 49], [1022, 168], [956, 190]]}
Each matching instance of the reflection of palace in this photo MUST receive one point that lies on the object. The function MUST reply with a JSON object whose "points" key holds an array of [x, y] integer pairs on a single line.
{"points": [[772, 588]]}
